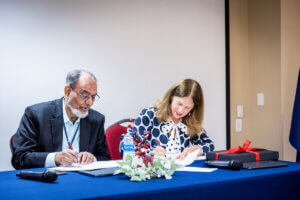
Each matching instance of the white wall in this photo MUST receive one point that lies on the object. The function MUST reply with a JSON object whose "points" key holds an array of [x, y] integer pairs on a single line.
{"points": [[136, 48]]}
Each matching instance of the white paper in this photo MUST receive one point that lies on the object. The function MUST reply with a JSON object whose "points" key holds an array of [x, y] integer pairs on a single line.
{"points": [[201, 158], [92, 166], [196, 169], [189, 159]]}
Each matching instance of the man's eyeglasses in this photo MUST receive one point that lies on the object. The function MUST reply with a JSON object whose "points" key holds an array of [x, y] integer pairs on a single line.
{"points": [[86, 96]]}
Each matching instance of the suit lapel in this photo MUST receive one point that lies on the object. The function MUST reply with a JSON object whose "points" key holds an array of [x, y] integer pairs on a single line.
{"points": [[57, 129], [57, 126], [85, 130]]}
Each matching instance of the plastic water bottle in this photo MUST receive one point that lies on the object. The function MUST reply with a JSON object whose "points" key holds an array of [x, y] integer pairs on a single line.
{"points": [[128, 146]]}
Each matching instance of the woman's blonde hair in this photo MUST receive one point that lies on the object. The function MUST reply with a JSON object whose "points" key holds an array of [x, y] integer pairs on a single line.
{"points": [[184, 88]]}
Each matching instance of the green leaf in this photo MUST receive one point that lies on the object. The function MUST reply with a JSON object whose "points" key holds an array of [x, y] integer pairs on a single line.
{"points": [[135, 178], [128, 159], [168, 176]]}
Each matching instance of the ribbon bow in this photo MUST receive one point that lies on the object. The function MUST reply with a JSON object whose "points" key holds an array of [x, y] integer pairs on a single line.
{"points": [[242, 149], [171, 127]]}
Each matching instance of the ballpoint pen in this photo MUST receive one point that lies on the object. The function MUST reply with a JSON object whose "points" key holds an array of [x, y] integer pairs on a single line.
{"points": [[70, 147]]}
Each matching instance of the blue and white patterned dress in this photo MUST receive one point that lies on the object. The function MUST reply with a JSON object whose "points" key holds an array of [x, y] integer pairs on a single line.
{"points": [[172, 137]]}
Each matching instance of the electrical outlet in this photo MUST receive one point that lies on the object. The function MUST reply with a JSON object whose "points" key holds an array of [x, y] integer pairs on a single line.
{"points": [[238, 125], [239, 111]]}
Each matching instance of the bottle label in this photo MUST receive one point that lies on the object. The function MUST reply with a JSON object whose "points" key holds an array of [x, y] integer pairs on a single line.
{"points": [[128, 147]]}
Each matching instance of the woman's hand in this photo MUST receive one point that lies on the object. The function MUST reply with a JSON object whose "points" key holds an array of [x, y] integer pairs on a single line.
{"points": [[159, 150], [189, 150]]}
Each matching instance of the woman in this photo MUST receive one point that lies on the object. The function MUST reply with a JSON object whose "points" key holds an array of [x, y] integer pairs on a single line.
{"points": [[175, 123]]}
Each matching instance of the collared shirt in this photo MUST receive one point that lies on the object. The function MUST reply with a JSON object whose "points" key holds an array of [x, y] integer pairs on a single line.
{"points": [[71, 128]]}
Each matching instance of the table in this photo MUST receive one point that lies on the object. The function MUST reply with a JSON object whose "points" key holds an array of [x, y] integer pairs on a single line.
{"points": [[276, 183]]}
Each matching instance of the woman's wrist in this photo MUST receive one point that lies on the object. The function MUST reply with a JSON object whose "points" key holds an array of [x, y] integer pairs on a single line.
{"points": [[196, 147]]}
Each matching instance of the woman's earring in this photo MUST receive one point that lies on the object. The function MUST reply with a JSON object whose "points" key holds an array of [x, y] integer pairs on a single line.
{"points": [[189, 114]]}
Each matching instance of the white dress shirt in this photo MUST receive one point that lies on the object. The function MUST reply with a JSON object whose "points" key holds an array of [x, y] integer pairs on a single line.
{"points": [[71, 128]]}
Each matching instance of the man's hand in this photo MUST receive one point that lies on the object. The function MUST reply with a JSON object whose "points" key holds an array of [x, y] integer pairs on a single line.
{"points": [[159, 150], [85, 158], [189, 150], [66, 157]]}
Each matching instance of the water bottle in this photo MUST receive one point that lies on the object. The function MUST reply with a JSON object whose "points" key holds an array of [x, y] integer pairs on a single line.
{"points": [[128, 146]]}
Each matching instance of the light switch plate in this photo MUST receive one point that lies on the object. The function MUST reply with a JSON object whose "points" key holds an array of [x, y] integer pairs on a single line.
{"points": [[260, 99]]}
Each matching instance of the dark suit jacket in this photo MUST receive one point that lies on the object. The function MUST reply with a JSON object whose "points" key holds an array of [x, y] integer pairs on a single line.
{"points": [[41, 132]]}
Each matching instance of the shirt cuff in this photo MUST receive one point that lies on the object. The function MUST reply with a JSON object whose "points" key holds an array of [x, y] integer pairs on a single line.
{"points": [[95, 159], [50, 160]]}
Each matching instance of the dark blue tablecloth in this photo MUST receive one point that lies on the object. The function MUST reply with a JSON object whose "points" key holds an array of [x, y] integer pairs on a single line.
{"points": [[275, 183]]}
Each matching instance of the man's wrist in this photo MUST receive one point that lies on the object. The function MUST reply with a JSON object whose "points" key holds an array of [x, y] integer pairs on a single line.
{"points": [[50, 160]]}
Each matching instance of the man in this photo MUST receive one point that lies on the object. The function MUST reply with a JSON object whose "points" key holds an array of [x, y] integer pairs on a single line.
{"points": [[63, 131]]}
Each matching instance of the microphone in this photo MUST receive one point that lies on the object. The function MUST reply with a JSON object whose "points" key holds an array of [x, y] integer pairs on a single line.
{"points": [[45, 176], [230, 164]]}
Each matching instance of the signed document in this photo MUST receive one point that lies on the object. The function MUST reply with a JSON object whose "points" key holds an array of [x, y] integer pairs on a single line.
{"points": [[92, 166], [196, 169], [189, 159]]}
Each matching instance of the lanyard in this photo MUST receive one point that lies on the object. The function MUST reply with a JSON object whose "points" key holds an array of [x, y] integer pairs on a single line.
{"points": [[70, 143]]}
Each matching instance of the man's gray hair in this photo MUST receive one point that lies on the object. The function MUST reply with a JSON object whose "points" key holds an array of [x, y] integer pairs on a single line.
{"points": [[74, 75]]}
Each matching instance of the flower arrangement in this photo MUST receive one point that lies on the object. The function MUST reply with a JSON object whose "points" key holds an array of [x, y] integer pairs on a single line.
{"points": [[145, 165], [138, 171]]}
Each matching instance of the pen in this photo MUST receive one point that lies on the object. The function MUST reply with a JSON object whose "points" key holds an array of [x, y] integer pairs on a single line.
{"points": [[157, 142], [70, 146], [161, 149]]}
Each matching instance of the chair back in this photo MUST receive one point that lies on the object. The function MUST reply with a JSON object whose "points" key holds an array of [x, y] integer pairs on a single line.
{"points": [[12, 138], [113, 134]]}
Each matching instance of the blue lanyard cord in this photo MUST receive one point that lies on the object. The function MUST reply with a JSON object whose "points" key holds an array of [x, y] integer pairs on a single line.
{"points": [[67, 134]]}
